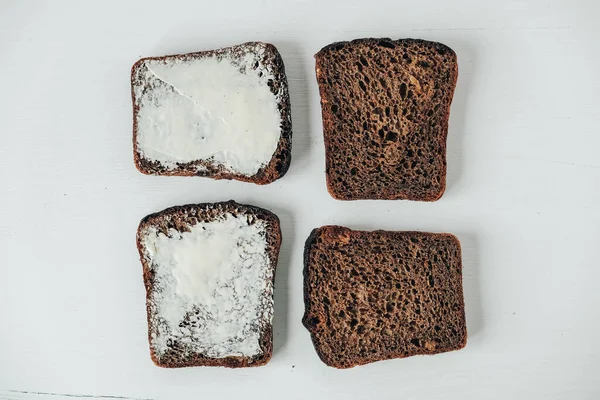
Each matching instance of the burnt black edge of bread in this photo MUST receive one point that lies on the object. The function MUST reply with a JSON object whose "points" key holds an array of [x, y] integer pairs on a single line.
{"points": [[282, 157], [386, 42], [308, 317], [273, 233], [349, 197], [344, 232], [310, 241], [225, 206]]}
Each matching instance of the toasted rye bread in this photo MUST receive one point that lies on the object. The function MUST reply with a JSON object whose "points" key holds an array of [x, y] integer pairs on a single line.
{"points": [[194, 316], [385, 106], [260, 68], [371, 296]]}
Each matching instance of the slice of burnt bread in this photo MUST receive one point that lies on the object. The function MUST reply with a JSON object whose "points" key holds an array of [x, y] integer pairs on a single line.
{"points": [[209, 271], [385, 106], [223, 114], [372, 296]]}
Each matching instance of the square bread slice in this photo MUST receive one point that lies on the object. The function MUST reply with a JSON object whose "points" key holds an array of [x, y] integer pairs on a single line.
{"points": [[385, 106], [372, 296], [223, 114], [209, 271]]}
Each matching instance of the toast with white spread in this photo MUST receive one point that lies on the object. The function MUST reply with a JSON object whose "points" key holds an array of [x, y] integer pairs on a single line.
{"points": [[223, 114], [209, 271]]}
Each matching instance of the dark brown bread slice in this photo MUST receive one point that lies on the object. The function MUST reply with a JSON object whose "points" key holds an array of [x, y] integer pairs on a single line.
{"points": [[281, 159], [180, 219], [385, 106], [371, 296]]}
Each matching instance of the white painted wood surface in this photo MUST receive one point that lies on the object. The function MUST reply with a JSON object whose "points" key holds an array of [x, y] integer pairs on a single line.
{"points": [[523, 197]]}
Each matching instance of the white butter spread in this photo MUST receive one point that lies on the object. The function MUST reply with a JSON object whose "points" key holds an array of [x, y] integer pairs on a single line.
{"points": [[219, 109], [213, 287]]}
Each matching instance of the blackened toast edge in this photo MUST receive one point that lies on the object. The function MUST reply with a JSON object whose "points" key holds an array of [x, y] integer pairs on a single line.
{"points": [[308, 317]]}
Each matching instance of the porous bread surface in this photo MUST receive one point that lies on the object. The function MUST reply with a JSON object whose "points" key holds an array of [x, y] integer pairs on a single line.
{"points": [[371, 296], [179, 352], [270, 60], [385, 107]]}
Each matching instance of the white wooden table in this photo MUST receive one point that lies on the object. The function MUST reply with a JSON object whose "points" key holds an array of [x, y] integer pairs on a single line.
{"points": [[523, 196]]}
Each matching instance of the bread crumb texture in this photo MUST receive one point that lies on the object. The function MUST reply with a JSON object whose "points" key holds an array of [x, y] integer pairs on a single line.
{"points": [[385, 107], [371, 296]]}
